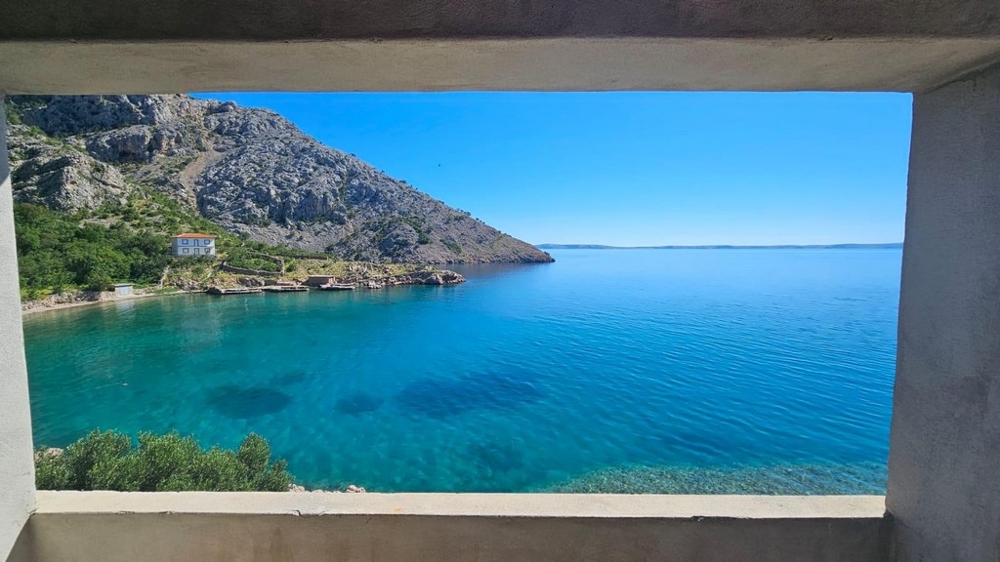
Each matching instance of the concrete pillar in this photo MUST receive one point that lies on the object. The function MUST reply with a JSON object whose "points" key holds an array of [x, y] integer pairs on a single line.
{"points": [[17, 470], [944, 455]]}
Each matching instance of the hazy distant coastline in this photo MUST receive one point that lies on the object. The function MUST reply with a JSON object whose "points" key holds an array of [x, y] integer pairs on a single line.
{"points": [[893, 245]]}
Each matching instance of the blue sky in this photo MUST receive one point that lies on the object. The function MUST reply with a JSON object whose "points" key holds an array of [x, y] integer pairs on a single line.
{"points": [[635, 168]]}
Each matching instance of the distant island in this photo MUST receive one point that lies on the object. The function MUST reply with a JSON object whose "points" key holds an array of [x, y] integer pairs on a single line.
{"points": [[891, 245]]}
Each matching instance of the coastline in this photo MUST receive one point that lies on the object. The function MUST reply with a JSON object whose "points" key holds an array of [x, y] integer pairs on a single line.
{"points": [[31, 308], [362, 278]]}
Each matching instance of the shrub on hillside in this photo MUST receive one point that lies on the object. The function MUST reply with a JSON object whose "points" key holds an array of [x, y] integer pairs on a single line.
{"points": [[160, 463], [55, 251]]}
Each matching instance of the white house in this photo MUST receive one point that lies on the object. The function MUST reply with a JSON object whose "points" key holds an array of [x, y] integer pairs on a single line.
{"points": [[192, 244]]}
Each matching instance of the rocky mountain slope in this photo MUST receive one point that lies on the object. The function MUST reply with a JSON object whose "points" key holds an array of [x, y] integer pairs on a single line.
{"points": [[248, 170]]}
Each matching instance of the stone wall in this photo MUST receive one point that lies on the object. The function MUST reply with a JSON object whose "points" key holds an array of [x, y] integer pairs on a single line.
{"points": [[244, 271]]}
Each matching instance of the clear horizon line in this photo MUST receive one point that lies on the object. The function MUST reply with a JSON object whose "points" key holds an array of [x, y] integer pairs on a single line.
{"points": [[679, 246]]}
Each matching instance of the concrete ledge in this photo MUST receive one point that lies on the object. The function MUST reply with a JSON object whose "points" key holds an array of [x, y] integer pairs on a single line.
{"points": [[546, 64], [208, 527], [466, 505]]}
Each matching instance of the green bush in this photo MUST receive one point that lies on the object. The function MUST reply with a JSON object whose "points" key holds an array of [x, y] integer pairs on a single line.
{"points": [[55, 251], [70, 251], [252, 259], [13, 117], [160, 463], [453, 246]]}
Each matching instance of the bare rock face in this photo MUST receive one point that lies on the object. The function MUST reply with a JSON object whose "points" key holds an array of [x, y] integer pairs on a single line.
{"points": [[137, 143], [71, 115], [253, 172], [59, 177]]}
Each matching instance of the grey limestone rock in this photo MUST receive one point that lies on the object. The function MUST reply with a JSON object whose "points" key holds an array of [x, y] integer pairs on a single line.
{"points": [[255, 173], [59, 177]]}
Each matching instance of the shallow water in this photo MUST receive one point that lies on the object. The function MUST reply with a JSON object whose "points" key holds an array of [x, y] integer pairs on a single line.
{"points": [[742, 371]]}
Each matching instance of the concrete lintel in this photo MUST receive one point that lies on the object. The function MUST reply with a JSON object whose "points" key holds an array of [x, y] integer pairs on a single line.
{"points": [[465, 505], [271, 20], [546, 64]]}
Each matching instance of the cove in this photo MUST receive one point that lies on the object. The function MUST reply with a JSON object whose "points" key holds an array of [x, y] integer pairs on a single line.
{"points": [[687, 371]]}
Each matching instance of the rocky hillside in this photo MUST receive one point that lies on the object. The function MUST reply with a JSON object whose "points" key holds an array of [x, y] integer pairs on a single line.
{"points": [[250, 171]]}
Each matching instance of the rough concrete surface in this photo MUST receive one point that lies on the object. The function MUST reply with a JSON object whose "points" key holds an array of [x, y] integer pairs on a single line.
{"points": [[17, 471], [944, 489], [546, 64], [208, 527], [944, 458], [165, 46], [270, 20]]}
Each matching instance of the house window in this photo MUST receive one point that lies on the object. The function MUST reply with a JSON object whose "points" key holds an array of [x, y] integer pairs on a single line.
{"points": [[184, 241], [197, 251], [208, 242], [185, 250]]}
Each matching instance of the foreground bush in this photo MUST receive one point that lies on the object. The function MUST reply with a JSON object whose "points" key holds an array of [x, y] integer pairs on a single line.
{"points": [[160, 463]]}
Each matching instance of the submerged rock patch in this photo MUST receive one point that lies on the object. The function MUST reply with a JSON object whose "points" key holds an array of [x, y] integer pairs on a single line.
{"points": [[290, 378], [235, 402], [778, 479], [497, 456], [440, 398], [358, 404]]}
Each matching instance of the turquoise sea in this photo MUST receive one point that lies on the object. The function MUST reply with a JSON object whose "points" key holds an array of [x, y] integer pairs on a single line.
{"points": [[689, 371]]}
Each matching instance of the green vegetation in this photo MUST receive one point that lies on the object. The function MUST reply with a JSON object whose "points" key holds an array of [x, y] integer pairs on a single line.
{"points": [[123, 242], [13, 117], [247, 258], [56, 252], [166, 291], [453, 246], [126, 239], [161, 463], [421, 227]]}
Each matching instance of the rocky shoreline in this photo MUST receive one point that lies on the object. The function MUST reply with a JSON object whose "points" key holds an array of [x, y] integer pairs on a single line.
{"points": [[359, 275], [76, 299], [364, 276]]}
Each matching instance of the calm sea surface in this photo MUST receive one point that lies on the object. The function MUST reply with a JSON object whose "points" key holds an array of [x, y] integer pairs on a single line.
{"points": [[698, 371]]}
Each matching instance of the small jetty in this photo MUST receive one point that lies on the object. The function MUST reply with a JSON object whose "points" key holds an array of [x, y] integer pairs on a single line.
{"points": [[336, 287], [221, 291], [284, 288]]}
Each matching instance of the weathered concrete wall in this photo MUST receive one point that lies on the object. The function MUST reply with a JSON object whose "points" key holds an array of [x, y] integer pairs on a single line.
{"points": [[944, 458], [556, 64], [113, 527], [17, 472], [276, 20], [142, 46]]}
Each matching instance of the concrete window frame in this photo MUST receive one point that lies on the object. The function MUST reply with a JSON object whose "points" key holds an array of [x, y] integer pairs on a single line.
{"points": [[943, 497]]}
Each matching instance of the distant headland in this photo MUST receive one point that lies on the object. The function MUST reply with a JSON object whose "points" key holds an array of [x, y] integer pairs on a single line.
{"points": [[891, 245]]}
